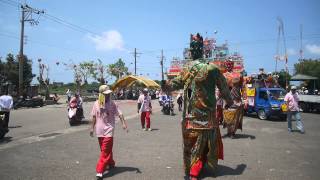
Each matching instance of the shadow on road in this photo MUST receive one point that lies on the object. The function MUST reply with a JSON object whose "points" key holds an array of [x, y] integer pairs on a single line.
{"points": [[118, 170], [244, 136], [240, 136], [12, 127], [5, 140], [224, 171], [85, 122], [155, 129]]}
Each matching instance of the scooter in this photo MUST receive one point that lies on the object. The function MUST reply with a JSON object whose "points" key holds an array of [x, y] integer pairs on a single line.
{"points": [[75, 114], [3, 131], [168, 107]]}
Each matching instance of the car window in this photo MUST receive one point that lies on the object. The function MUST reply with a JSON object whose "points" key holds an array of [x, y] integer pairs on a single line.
{"points": [[263, 95]]}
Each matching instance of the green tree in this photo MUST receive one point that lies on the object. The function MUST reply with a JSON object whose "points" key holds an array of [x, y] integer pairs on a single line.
{"points": [[100, 72], [118, 69], [283, 76], [87, 70], [309, 67], [2, 72], [10, 71]]}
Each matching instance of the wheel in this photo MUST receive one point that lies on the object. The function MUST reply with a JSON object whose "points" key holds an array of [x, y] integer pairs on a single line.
{"points": [[72, 121], [172, 113], [2, 133], [262, 114]]}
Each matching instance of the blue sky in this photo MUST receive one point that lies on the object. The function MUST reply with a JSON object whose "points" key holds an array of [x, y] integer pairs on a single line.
{"points": [[249, 26]]}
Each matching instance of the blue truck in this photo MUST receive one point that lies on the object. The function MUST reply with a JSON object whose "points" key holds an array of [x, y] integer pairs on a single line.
{"points": [[266, 102]]}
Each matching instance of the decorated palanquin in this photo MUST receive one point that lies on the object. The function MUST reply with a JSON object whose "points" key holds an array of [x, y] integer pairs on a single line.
{"points": [[232, 70]]}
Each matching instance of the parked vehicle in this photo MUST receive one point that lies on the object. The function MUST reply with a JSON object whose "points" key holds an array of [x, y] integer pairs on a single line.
{"points": [[309, 103], [266, 102], [28, 102]]}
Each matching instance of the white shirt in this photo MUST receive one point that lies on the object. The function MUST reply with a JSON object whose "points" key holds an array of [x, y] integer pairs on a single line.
{"points": [[6, 102], [145, 103]]}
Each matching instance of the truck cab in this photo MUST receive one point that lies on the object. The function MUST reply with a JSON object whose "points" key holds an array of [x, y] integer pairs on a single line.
{"points": [[267, 102]]}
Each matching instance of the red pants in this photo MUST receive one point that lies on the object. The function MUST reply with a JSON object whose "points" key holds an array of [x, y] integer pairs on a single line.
{"points": [[106, 158], [145, 116]]}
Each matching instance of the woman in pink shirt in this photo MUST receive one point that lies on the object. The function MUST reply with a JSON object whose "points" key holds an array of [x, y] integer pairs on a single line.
{"points": [[103, 114]]}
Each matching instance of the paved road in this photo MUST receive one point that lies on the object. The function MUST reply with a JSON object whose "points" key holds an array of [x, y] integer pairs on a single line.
{"points": [[45, 147]]}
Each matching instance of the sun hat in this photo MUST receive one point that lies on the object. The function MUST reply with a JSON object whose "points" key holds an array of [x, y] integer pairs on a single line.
{"points": [[104, 89]]}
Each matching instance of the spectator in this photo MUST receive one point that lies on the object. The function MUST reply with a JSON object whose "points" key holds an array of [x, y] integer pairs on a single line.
{"points": [[6, 103], [292, 101]]}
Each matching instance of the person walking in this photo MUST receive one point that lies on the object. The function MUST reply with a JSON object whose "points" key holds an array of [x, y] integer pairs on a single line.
{"points": [[103, 114], [6, 103], [180, 101], [292, 100], [235, 123], [145, 108], [69, 95]]}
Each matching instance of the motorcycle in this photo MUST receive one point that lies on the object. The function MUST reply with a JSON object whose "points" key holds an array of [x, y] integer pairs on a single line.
{"points": [[29, 102], [168, 107], [3, 131]]}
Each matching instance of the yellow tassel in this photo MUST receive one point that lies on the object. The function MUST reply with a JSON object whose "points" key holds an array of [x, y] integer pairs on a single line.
{"points": [[101, 100]]}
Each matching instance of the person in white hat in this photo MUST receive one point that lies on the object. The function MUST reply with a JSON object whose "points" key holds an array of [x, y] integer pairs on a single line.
{"points": [[145, 108], [103, 115], [292, 101]]}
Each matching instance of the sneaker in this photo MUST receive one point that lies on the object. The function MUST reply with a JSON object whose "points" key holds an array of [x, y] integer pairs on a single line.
{"points": [[144, 129], [99, 176], [289, 130], [149, 129]]}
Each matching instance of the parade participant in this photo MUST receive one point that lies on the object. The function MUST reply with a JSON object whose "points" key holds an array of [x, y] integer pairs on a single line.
{"points": [[145, 108], [180, 101], [235, 122], [6, 103], [202, 143], [292, 101], [219, 108], [201, 134], [103, 114]]}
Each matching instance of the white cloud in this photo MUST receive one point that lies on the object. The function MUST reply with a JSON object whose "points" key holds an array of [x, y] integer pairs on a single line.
{"points": [[108, 41], [313, 49], [291, 52]]}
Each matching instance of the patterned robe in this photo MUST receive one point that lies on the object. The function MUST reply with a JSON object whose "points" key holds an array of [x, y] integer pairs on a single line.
{"points": [[200, 129]]}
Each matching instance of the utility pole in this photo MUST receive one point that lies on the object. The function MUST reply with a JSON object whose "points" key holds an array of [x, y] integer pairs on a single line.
{"points": [[135, 61], [301, 48], [21, 53], [161, 63], [135, 54], [301, 51], [26, 15]]}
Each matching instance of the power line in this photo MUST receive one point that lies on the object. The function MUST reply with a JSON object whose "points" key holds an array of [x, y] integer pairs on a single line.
{"points": [[10, 3]]}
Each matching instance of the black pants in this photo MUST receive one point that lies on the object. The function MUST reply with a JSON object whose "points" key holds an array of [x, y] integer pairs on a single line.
{"points": [[180, 106], [6, 119]]}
